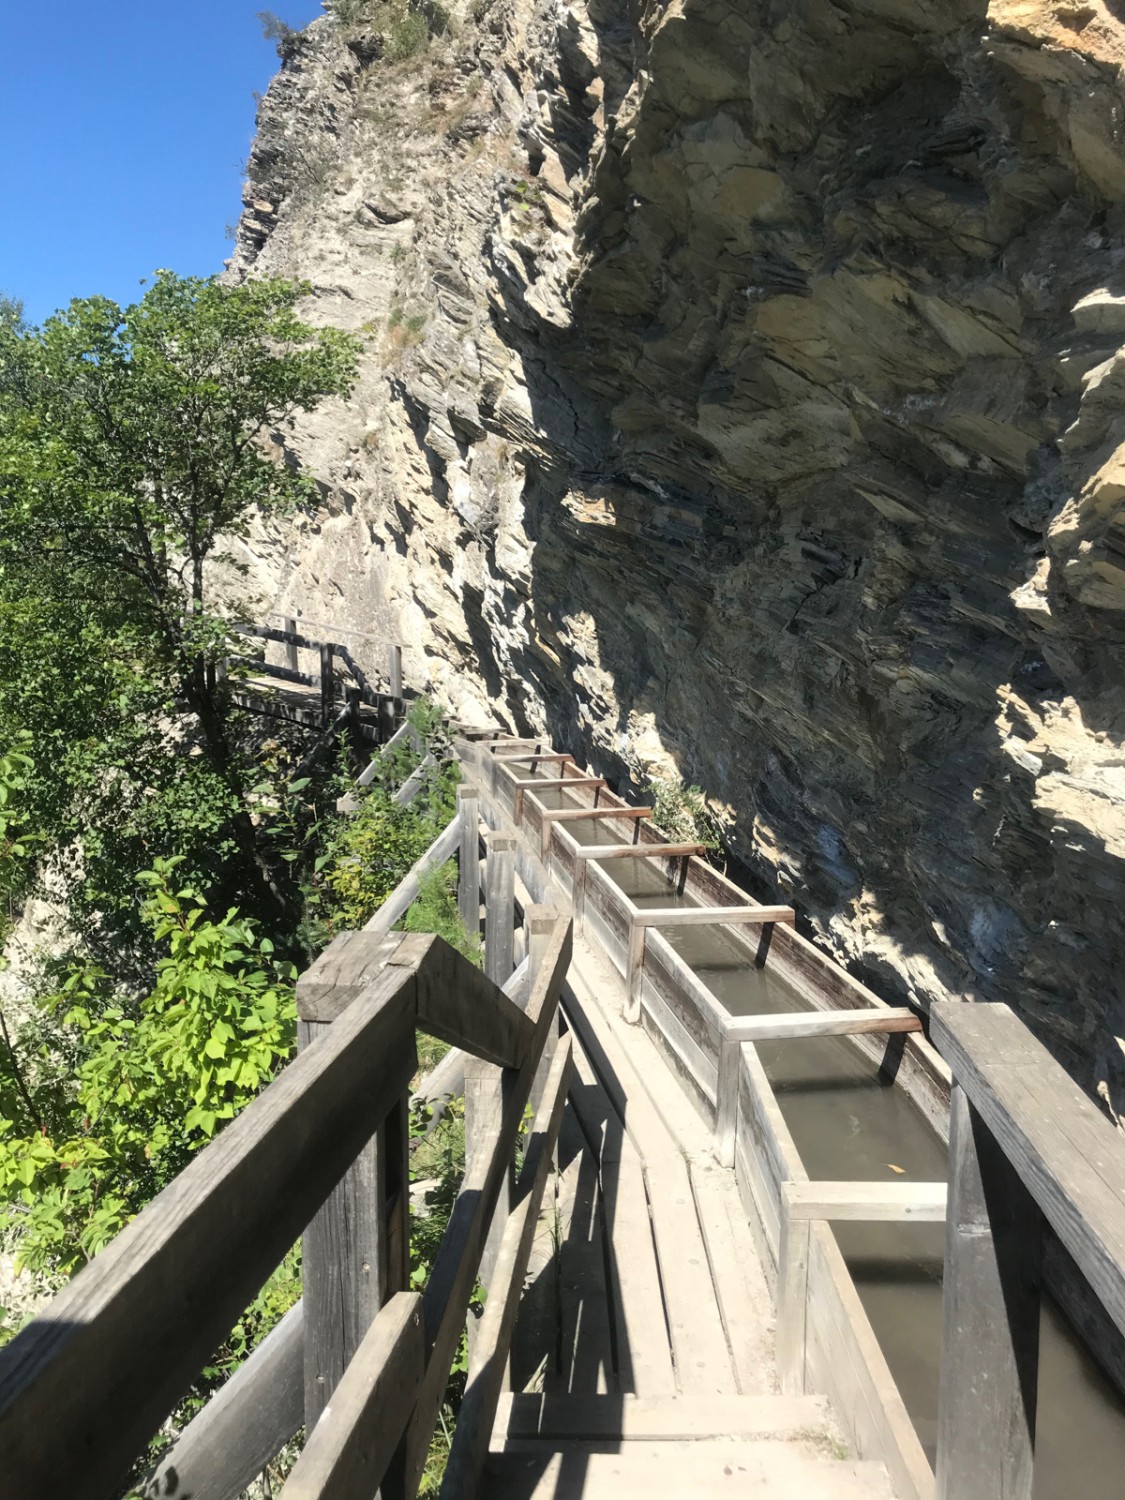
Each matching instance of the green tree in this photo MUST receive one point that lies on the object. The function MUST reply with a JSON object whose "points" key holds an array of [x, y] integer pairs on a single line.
{"points": [[133, 443]]}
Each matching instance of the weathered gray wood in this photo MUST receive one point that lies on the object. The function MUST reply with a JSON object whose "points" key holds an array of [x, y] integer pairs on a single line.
{"points": [[83, 1388], [696, 916], [990, 1320], [494, 1336], [634, 973], [797, 1024], [394, 670], [468, 882], [639, 851], [243, 1426], [351, 962], [544, 784], [462, 1006], [406, 892], [327, 683], [350, 1447], [499, 906], [523, 760], [898, 1202], [539, 924], [575, 1418], [455, 1267], [290, 626], [726, 1098], [792, 1304], [1064, 1150], [343, 1261]]}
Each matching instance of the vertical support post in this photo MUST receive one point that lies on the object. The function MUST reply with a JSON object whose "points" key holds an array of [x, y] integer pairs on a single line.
{"points": [[354, 1253], [792, 1300], [394, 671], [634, 973], [578, 893], [290, 625], [726, 1099], [499, 906], [354, 697], [539, 923], [327, 686], [990, 1320], [468, 882]]}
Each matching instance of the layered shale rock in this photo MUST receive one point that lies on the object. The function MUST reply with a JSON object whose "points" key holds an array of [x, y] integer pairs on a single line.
{"points": [[745, 395]]}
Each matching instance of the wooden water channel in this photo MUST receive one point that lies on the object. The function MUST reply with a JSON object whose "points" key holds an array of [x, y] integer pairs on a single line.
{"points": [[680, 1317]]}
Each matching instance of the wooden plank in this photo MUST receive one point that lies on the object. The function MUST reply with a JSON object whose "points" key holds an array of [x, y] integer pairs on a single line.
{"points": [[494, 1335], [552, 784], [990, 1320], [643, 1350], [289, 625], [744, 1299], [726, 1098], [585, 1341], [499, 905], [696, 916], [634, 973], [414, 782], [792, 1303], [348, 1450], [85, 1386], [343, 1263], [350, 963], [394, 670], [792, 1026], [455, 1267], [406, 892], [243, 1426], [1062, 1147], [523, 760], [639, 851], [698, 1341], [565, 1419], [468, 881], [462, 1006], [919, 1202]]}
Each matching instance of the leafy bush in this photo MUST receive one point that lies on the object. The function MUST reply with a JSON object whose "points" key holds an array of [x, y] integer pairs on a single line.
{"points": [[285, 37], [154, 1078]]}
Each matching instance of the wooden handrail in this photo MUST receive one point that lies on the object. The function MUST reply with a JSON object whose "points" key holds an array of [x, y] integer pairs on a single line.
{"points": [[84, 1387]]}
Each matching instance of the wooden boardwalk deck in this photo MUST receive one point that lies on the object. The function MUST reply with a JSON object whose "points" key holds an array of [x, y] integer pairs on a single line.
{"points": [[643, 1355]]}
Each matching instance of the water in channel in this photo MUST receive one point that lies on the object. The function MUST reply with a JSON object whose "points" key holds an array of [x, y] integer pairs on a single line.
{"points": [[849, 1121]]}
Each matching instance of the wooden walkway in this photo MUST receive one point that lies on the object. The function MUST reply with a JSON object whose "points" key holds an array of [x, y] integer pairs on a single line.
{"points": [[643, 1356]]}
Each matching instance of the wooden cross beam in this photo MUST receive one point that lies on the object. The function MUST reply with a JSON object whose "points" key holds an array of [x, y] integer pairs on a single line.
{"points": [[911, 1202], [697, 916], [577, 815], [793, 1025]]}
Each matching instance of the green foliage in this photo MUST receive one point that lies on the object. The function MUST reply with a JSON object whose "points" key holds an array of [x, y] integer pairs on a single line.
{"points": [[682, 813], [369, 853], [406, 36], [11, 313], [153, 1079], [17, 841], [436, 910], [131, 448]]}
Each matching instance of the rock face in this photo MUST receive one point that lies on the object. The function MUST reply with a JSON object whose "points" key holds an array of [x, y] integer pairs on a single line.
{"points": [[746, 395]]}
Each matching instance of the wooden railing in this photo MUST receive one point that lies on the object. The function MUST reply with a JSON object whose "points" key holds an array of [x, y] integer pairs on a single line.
{"points": [[387, 702], [361, 1361], [1027, 1148]]}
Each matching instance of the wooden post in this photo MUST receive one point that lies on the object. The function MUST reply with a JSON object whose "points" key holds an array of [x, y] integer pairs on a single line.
{"points": [[990, 1320], [634, 972], [578, 894], [539, 923], [726, 1098], [499, 906], [327, 686], [354, 1253], [290, 650], [394, 671], [468, 883], [792, 1300]]}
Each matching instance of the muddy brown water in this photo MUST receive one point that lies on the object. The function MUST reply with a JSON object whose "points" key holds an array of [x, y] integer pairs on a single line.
{"points": [[849, 1121]]}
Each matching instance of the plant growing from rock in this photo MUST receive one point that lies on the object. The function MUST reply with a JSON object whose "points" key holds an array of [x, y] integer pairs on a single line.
{"points": [[682, 813]]}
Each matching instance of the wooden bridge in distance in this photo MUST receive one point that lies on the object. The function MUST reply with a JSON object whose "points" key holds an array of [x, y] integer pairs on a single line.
{"points": [[666, 1313]]}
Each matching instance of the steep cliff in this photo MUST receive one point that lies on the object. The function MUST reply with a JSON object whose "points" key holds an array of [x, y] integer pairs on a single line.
{"points": [[746, 394]]}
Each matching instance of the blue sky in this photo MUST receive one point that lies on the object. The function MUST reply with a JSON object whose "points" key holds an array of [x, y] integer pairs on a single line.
{"points": [[124, 127]]}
